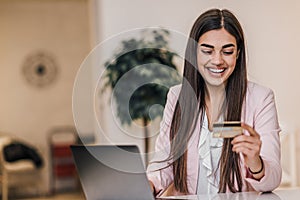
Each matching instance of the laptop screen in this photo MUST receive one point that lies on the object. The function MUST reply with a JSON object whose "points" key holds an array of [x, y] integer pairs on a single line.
{"points": [[111, 172]]}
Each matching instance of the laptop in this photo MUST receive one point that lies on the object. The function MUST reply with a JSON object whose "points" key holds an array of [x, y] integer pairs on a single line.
{"points": [[111, 172]]}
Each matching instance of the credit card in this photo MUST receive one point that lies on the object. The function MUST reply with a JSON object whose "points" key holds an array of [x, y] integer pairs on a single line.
{"points": [[227, 129]]}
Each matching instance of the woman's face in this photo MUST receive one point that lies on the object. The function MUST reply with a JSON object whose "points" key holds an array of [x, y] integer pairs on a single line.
{"points": [[216, 56]]}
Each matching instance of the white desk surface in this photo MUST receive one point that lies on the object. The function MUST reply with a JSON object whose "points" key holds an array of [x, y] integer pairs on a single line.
{"points": [[278, 194]]}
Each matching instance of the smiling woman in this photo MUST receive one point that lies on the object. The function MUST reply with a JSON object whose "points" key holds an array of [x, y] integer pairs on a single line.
{"points": [[215, 88]]}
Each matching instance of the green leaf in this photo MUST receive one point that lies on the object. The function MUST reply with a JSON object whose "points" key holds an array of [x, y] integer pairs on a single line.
{"points": [[148, 60]]}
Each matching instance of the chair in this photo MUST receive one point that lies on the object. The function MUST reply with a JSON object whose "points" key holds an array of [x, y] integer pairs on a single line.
{"points": [[12, 168], [63, 176], [289, 158]]}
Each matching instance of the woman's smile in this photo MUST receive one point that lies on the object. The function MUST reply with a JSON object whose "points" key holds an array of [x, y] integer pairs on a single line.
{"points": [[216, 71]]}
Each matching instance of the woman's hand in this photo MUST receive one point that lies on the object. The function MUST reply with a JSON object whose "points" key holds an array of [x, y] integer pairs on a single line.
{"points": [[249, 146]]}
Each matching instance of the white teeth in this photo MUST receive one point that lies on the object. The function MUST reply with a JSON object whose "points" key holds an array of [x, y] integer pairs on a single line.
{"points": [[216, 70]]}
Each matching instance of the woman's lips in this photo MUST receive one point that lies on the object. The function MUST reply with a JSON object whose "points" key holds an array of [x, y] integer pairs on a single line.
{"points": [[216, 70]]}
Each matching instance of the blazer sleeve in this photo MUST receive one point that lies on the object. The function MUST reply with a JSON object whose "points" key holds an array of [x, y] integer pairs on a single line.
{"points": [[161, 173], [266, 124]]}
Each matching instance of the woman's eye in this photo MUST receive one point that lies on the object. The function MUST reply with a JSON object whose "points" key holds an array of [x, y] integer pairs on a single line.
{"points": [[227, 52], [208, 52]]}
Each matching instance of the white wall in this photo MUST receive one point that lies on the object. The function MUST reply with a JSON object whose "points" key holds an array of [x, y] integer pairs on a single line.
{"points": [[272, 32], [60, 27]]}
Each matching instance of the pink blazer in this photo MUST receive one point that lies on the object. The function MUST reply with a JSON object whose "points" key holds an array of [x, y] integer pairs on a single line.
{"points": [[259, 111]]}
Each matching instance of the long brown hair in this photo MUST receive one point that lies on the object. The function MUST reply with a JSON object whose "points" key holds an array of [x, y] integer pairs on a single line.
{"points": [[191, 102]]}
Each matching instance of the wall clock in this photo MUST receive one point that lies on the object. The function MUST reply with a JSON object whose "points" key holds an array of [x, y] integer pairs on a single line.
{"points": [[40, 69]]}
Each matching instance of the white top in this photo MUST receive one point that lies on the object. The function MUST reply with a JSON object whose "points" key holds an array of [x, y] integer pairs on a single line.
{"points": [[210, 150]]}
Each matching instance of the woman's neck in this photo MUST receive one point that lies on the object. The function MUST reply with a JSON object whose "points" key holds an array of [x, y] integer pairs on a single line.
{"points": [[214, 100]]}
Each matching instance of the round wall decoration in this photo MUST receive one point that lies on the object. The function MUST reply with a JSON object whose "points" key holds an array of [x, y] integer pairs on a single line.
{"points": [[40, 69]]}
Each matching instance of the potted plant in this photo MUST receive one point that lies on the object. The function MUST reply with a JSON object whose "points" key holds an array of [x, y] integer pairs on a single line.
{"points": [[149, 67]]}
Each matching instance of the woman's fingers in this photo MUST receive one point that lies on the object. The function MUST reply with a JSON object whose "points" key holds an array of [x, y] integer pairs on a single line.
{"points": [[253, 138], [249, 145], [246, 142], [246, 148], [250, 130], [244, 138]]}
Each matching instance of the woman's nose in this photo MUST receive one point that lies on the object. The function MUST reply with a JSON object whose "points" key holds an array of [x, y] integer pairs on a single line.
{"points": [[217, 59]]}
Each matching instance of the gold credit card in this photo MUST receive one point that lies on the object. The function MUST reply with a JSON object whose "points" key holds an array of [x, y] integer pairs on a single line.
{"points": [[227, 129]]}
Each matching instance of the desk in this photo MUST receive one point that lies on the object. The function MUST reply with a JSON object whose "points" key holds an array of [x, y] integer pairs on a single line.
{"points": [[279, 194]]}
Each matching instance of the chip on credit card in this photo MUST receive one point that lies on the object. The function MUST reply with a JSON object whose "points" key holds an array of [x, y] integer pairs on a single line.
{"points": [[227, 129]]}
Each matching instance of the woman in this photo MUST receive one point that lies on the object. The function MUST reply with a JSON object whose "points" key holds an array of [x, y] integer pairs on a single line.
{"points": [[188, 160]]}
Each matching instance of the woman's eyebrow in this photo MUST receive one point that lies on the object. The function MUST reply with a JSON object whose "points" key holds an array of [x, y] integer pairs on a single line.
{"points": [[207, 45], [228, 45], [223, 47]]}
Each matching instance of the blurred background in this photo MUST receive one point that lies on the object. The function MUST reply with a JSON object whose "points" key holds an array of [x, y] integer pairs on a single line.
{"points": [[43, 44]]}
